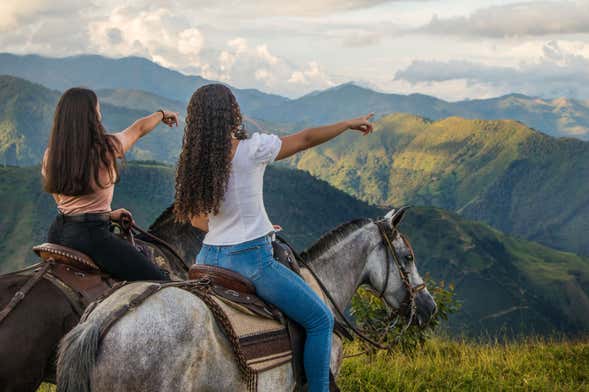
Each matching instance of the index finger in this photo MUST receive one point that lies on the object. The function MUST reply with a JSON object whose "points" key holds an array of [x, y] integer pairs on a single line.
{"points": [[369, 116]]}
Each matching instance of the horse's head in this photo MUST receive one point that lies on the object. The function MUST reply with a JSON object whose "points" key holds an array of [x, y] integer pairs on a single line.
{"points": [[391, 271]]}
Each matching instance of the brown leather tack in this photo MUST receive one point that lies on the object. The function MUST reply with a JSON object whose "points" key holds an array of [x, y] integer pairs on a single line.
{"points": [[222, 277], [89, 285], [65, 255]]}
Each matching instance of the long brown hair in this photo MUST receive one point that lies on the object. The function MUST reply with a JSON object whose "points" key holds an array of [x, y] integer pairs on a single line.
{"points": [[213, 119], [79, 146]]}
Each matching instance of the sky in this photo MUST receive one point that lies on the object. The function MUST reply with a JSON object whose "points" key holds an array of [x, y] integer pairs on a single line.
{"points": [[452, 49]]}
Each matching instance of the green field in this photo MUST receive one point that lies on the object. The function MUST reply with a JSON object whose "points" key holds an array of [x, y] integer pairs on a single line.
{"points": [[450, 365], [444, 365]]}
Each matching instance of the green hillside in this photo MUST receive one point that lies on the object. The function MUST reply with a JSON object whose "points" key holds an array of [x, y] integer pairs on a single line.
{"points": [[505, 284], [147, 189], [26, 115], [501, 172]]}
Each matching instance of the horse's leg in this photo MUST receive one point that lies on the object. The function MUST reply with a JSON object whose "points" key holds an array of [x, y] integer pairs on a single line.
{"points": [[30, 334]]}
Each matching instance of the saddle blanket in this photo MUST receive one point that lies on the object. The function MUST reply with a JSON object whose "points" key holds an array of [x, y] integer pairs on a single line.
{"points": [[262, 343]]}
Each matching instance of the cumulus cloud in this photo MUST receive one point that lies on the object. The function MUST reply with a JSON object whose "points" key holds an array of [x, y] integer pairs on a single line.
{"points": [[534, 18], [557, 72], [245, 65], [157, 34]]}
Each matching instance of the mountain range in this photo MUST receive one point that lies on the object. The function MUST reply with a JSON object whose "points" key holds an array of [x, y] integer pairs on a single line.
{"points": [[506, 285], [557, 117], [500, 172], [503, 172]]}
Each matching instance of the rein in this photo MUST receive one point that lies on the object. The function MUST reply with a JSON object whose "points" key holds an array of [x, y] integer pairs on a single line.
{"points": [[411, 290], [128, 225]]}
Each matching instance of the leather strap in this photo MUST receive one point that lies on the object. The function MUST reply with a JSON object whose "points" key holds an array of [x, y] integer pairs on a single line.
{"points": [[20, 294]]}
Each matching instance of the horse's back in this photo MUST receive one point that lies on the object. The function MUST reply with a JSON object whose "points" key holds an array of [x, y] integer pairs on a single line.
{"points": [[169, 343]]}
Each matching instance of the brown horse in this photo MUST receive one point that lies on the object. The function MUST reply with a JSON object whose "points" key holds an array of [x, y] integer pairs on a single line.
{"points": [[30, 333]]}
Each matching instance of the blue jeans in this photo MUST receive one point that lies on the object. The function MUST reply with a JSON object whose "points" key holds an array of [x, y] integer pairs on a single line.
{"points": [[283, 288]]}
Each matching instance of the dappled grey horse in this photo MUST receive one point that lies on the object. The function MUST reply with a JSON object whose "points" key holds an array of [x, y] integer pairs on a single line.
{"points": [[172, 343]]}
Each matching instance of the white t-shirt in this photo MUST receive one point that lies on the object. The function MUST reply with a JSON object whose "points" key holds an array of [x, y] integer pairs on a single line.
{"points": [[242, 216]]}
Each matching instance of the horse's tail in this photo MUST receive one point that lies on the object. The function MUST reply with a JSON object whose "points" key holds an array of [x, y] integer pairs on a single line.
{"points": [[77, 357]]}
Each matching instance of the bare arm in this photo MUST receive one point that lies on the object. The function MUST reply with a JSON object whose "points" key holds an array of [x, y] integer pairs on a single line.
{"points": [[145, 125], [311, 137]]}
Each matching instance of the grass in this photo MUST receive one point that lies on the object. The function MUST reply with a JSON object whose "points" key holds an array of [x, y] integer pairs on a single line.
{"points": [[449, 365], [533, 364]]}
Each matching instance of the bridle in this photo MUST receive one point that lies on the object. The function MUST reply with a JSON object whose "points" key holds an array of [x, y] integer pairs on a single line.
{"points": [[409, 301], [411, 290]]}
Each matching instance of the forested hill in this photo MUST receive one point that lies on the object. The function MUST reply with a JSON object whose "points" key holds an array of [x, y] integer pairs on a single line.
{"points": [[505, 284], [501, 172], [26, 116]]}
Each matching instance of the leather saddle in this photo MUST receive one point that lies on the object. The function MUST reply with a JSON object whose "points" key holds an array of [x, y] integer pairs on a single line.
{"points": [[222, 277], [74, 273], [243, 292], [65, 255]]}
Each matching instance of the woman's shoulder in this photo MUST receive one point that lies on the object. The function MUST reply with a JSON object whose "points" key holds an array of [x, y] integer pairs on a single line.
{"points": [[262, 147]]}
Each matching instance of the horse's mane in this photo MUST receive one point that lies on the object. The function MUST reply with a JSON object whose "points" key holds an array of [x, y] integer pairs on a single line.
{"points": [[332, 237], [163, 218]]}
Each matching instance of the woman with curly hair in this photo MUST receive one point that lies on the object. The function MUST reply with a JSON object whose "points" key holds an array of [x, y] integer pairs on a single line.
{"points": [[219, 189], [80, 171]]}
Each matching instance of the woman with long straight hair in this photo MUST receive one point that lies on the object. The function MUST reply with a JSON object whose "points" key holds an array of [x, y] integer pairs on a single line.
{"points": [[80, 171], [219, 189]]}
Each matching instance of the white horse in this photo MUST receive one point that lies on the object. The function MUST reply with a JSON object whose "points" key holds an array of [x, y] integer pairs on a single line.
{"points": [[172, 342]]}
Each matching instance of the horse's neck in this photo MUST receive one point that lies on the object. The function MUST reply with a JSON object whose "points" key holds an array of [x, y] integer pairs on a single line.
{"points": [[185, 240], [342, 267]]}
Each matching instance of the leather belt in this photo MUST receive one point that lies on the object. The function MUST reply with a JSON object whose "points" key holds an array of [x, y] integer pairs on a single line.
{"points": [[89, 217]]}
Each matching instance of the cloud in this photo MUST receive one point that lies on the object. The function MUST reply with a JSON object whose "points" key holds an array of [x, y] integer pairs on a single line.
{"points": [[558, 72], [245, 65], [288, 8], [12, 12], [536, 18], [157, 34]]}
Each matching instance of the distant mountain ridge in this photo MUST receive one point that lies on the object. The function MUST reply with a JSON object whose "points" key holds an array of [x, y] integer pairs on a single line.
{"points": [[507, 285], [133, 73], [556, 117]]}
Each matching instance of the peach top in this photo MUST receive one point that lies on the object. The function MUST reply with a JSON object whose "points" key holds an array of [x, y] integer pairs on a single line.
{"points": [[98, 201]]}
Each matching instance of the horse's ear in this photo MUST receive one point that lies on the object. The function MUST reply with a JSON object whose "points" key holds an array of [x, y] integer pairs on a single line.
{"points": [[395, 216]]}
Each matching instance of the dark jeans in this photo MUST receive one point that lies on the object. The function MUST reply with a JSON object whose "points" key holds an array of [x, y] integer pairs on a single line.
{"points": [[112, 254]]}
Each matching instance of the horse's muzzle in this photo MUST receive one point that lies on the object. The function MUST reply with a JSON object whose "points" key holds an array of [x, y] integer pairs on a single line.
{"points": [[425, 308]]}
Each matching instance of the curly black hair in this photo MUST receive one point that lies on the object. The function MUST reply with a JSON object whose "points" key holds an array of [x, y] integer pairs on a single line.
{"points": [[213, 119]]}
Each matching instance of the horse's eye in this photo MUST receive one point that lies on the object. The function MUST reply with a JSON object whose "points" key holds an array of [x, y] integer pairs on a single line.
{"points": [[409, 257]]}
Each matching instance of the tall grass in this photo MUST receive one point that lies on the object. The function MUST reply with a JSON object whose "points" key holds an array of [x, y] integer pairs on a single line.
{"points": [[453, 365]]}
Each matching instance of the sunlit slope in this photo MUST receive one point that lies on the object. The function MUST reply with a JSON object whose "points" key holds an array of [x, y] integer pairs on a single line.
{"points": [[501, 172]]}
